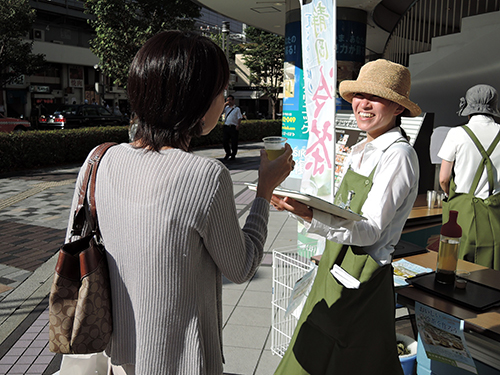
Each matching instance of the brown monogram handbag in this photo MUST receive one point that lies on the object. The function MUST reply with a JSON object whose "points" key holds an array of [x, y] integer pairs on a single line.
{"points": [[80, 320]]}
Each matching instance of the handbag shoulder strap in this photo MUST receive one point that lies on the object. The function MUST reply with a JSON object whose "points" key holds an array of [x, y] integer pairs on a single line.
{"points": [[486, 161], [89, 178], [92, 205]]}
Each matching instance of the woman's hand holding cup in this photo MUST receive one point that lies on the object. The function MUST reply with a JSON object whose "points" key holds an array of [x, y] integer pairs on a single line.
{"points": [[273, 172]]}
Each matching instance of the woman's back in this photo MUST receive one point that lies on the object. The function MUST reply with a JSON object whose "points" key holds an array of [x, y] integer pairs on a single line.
{"points": [[169, 223], [460, 148]]}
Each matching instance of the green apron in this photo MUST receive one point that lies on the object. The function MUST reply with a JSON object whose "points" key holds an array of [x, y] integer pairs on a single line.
{"points": [[478, 218], [346, 331]]}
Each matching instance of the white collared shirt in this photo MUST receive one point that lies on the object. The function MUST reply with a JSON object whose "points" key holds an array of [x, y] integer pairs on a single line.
{"points": [[389, 202], [459, 148], [232, 115]]}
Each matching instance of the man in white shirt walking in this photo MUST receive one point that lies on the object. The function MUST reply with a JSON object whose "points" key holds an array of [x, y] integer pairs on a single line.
{"points": [[230, 129]]}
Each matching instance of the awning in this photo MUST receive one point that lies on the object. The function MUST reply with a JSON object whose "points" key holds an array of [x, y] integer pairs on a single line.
{"points": [[43, 96], [247, 94]]}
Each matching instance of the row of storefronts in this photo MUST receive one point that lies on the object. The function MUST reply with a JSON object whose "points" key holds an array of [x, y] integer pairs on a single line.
{"points": [[30, 97]]}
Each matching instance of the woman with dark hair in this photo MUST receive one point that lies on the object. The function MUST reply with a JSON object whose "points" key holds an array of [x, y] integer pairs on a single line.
{"points": [[168, 217]]}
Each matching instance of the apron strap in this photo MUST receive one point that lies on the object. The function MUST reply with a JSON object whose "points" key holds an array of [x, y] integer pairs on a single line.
{"points": [[486, 161], [373, 170], [344, 248], [341, 256]]}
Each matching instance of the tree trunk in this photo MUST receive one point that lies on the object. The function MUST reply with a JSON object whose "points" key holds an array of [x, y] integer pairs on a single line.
{"points": [[273, 107]]}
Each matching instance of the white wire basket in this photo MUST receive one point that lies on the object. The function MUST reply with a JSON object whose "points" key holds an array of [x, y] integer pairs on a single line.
{"points": [[289, 265]]}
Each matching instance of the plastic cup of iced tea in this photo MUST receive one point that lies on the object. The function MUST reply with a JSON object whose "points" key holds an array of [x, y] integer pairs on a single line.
{"points": [[274, 146]]}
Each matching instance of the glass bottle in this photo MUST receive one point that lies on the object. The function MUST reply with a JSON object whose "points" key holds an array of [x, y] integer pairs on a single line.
{"points": [[448, 250]]}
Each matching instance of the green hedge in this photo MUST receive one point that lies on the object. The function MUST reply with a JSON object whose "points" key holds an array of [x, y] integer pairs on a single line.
{"points": [[35, 149]]}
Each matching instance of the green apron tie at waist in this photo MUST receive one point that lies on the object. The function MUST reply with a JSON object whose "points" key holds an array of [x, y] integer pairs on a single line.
{"points": [[346, 331]]}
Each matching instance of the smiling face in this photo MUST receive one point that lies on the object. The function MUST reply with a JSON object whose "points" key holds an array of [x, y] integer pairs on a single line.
{"points": [[374, 114]]}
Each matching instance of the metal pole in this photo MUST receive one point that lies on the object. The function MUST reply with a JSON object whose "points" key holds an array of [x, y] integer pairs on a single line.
{"points": [[225, 38], [225, 44]]}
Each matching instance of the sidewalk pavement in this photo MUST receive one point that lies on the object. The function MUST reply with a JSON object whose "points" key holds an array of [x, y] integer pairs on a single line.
{"points": [[34, 210]]}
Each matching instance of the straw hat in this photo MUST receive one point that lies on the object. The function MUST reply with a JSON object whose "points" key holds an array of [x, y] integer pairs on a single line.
{"points": [[479, 99], [385, 79]]}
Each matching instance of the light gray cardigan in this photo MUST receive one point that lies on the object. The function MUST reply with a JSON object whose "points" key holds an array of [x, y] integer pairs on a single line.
{"points": [[170, 227]]}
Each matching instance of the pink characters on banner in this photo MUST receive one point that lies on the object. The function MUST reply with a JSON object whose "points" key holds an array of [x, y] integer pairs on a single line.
{"points": [[321, 149], [318, 49]]}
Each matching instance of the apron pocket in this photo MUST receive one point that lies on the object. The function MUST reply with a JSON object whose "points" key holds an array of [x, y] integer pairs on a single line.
{"points": [[313, 347]]}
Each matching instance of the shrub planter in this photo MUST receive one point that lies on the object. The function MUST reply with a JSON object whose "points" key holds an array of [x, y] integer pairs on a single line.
{"points": [[39, 148]]}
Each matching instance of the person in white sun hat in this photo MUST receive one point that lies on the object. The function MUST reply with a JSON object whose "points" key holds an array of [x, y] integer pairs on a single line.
{"points": [[345, 329]]}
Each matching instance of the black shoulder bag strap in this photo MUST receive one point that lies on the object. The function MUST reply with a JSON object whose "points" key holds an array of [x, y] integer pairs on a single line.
{"points": [[227, 116]]}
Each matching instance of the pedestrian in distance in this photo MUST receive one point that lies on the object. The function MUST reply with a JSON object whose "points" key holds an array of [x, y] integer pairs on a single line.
{"points": [[349, 329], [230, 128], [168, 217]]}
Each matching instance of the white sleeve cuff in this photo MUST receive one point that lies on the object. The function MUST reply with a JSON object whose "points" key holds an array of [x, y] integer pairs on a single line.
{"points": [[327, 225]]}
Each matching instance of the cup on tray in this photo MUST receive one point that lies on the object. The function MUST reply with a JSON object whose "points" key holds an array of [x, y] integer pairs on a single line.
{"points": [[461, 279]]}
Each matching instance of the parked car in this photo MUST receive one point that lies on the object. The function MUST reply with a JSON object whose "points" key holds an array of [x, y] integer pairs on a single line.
{"points": [[10, 124], [80, 116]]}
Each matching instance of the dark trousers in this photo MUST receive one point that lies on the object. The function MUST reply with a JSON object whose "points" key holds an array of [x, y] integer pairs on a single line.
{"points": [[230, 139]]}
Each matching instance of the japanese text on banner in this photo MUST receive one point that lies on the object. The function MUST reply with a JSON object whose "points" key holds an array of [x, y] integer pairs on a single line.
{"points": [[318, 49]]}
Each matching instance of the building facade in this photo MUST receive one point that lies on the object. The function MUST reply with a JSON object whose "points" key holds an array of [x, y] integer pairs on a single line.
{"points": [[61, 32]]}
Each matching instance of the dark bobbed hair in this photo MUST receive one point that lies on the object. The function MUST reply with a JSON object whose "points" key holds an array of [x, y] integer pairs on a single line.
{"points": [[173, 80]]}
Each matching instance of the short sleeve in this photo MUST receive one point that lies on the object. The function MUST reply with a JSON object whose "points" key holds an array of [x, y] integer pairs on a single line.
{"points": [[448, 150]]}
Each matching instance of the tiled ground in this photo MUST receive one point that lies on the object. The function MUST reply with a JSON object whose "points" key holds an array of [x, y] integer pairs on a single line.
{"points": [[44, 207], [11, 277], [34, 210], [26, 246], [30, 354]]}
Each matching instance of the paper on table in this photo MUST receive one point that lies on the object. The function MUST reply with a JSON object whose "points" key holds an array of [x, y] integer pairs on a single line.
{"points": [[314, 202], [405, 270]]}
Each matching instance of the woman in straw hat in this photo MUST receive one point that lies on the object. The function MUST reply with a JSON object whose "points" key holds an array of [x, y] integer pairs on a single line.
{"points": [[472, 154], [346, 329]]}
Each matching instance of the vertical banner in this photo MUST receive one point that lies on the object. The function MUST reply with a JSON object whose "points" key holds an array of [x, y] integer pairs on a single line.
{"points": [[318, 20], [320, 76], [294, 121]]}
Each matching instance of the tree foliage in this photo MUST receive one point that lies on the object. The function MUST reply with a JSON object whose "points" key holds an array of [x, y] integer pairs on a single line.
{"points": [[122, 26], [264, 56], [217, 38], [16, 57]]}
